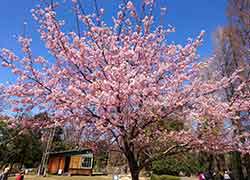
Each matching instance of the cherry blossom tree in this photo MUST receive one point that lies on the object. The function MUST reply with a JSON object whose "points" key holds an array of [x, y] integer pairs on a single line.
{"points": [[123, 80]]}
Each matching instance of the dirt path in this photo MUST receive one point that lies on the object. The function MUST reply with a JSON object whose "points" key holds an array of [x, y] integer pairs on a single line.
{"points": [[189, 178]]}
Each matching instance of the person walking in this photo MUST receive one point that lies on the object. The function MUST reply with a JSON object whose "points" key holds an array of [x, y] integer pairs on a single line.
{"points": [[20, 176], [4, 175], [1, 176], [226, 176], [201, 176], [208, 175]]}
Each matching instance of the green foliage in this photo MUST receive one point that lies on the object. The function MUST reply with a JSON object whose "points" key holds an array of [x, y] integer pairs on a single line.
{"points": [[173, 165], [164, 177], [18, 146], [186, 163]]}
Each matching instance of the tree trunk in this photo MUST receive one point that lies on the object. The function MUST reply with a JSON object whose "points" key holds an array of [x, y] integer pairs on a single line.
{"points": [[247, 166], [236, 165], [134, 174], [132, 161], [210, 160], [133, 166]]}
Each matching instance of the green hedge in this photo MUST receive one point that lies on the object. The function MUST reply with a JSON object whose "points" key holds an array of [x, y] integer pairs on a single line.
{"points": [[164, 177]]}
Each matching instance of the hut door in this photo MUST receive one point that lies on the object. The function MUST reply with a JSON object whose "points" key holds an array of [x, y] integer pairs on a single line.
{"points": [[67, 161]]}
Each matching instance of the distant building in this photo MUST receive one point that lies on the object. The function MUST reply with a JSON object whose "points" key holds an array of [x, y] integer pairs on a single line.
{"points": [[73, 162]]}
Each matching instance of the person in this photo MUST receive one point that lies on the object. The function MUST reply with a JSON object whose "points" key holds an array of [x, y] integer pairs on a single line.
{"points": [[20, 176], [226, 176], [1, 175], [208, 175], [229, 172], [4, 175], [201, 176]]}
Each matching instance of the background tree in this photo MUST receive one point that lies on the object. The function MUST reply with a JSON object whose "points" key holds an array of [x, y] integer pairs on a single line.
{"points": [[19, 146], [232, 52], [187, 163], [239, 14]]}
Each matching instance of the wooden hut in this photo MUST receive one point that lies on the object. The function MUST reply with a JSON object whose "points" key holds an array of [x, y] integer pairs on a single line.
{"points": [[73, 162]]}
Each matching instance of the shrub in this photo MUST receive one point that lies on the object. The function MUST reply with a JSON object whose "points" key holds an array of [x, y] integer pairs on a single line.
{"points": [[186, 163]]}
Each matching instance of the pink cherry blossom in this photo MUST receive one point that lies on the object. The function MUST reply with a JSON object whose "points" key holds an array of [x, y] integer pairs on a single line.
{"points": [[130, 5], [125, 81], [147, 2]]}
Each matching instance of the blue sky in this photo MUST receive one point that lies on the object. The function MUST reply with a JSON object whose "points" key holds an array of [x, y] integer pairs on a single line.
{"points": [[189, 17]]}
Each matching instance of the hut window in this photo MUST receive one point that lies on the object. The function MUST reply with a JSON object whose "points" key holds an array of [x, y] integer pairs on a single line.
{"points": [[86, 161]]}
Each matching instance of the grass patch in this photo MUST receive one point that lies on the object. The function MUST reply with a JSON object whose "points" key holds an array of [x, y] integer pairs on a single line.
{"points": [[28, 177], [164, 177]]}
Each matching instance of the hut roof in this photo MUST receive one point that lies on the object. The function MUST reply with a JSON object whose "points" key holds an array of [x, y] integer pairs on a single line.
{"points": [[72, 152]]}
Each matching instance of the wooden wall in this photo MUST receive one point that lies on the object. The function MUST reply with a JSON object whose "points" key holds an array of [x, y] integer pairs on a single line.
{"points": [[75, 166], [87, 172], [75, 162], [56, 163]]}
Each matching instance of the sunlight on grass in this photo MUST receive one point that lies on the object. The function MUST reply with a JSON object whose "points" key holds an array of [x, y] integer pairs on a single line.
{"points": [[66, 178]]}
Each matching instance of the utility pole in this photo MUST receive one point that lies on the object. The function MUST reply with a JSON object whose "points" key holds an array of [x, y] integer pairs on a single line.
{"points": [[43, 166]]}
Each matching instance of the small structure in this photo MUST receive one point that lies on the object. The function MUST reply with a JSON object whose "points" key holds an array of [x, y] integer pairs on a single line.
{"points": [[73, 162]]}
